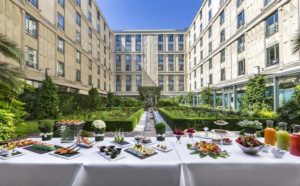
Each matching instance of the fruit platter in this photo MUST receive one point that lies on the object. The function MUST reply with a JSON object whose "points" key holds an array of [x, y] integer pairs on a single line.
{"points": [[140, 151], [224, 141], [249, 144], [67, 152], [204, 149], [42, 148], [162, 147], [8, 151], [111, 153]]}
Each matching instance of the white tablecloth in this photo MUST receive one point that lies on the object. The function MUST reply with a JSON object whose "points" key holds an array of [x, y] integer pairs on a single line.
{"points": [[174, 168], [239, 169]]}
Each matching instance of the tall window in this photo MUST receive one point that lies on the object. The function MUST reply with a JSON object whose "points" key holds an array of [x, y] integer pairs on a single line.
{"points": [[180, 42], [78, 19], [128, 62], [60, 21], [273, 55], [171, 62], [34, 3], [222, 36], [138, 63], [160, 42], [241, 67], [90, 80], [222, 17], [118, 83], [222, 55], [266, 2], [160, 62], [171, 82], [118, 63], [138, 43], [78, 3], [181, 82], [60, 45], [98, 70], [210, 79], [209, 32], [241, 44], [210, 64], [171, 42], [201, 82], [30, 26], [181, 62], [90, 16], [78, 38], [138, 79], [223, 75], [161, 82], [118, 43], [31, 57], [209, 15], [128, 83], [78, 57], [61, 3], [272, 24], [78, 75], [240, 19], [210, 47], [128, 42], [90, 64], [90, 31], [60, 69], [239, 2]]}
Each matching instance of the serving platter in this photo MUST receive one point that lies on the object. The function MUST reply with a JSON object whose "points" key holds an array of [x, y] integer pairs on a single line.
{"points": [[119, 157], [168, 149], [14, 154], [66, 156], [138, 154], [40, 151], [121, 144]]}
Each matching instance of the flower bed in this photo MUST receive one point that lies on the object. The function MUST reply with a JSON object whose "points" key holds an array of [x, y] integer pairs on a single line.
{"points": [[184, 117]]}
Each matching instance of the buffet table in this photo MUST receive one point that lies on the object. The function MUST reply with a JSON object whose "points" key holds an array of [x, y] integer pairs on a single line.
{"points": [[177, 167]]}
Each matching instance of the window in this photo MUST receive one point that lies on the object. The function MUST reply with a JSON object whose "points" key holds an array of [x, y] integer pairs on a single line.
{"points": [[201, 82], [118, 43], [201, 69], [161, 82], [171, 37], [201, 54], [60, 45], [60, 21], [30, 26], [61, 3], [210, 64], [128, 83], [201, 42], [266, 2], [239, 2], [241, 44], [138, 63], [181, 82], [128, 42], [160, 62], [181, 62], [171, 62], [209, 2], [240, 20], [90, 16], [90, 3], [90, 49], [98, 15], [90, 33], [160, 38], [222, 36], [209, 15], [78, 38], [209, 32], [90, 64], [60, 69], [180, 42], [31, 57], [222, 17], [98, 70], [223, 75], [118, 83], [138, 79], [210, 47], [78, 57], [128, 62], [201, 27], [98, 84], [195, 85], [273, 55], [90, 80], [170, 46], [171, 82], [138, 44], [78, 75], [195, 61], [78, 19], [34, 3], [118, 63], [98, 28], [210, 79], [272, 24], [222, 55], [241, 67], [78, 3], [222, 2]]}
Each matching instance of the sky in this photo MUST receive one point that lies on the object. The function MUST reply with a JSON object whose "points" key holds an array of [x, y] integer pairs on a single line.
{"points": [[149, 14]]}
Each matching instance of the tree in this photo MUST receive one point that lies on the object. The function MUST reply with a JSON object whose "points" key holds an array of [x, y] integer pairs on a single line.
{"points": [[95, 100], [206, 96], [47, 100], [9, 75]]}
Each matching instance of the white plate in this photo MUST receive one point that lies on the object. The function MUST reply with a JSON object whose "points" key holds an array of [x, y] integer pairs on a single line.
{"points": [[10, 157], [162, 150], [122, 146], [120, 156], [64, 157]]}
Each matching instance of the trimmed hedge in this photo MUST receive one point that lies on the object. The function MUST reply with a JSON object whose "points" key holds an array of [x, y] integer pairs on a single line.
{"points": [[199, 123]]}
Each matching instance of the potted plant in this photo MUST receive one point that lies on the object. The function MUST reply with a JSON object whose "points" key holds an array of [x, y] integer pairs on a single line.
{"points": [[250, 126], [99, 129], [160, 129], [46, 129]]}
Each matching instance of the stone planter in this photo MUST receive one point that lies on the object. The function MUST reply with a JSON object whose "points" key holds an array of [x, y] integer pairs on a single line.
{"points": [[99, 134]]}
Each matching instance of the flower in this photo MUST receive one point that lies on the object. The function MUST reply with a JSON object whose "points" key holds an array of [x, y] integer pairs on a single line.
{"points": [[250, 124], [99, 124]]}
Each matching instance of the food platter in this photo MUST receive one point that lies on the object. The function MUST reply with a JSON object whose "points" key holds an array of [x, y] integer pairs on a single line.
{"points": [[36, 148], [67, 152], [111, 153], [122, 144], [141, 152], [162, 147], [13, 155]]}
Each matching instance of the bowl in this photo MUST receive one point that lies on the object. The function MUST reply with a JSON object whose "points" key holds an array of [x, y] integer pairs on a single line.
{"points": [[278, 153], [266, 148], [250, 150]]}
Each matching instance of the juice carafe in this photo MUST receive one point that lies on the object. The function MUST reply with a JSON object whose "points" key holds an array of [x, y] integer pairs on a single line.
{"points": [[283, 137], [270, 133], [295, 141]]}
